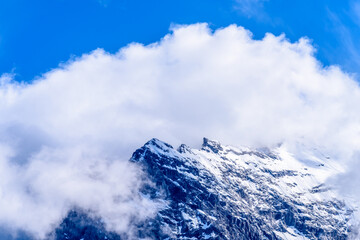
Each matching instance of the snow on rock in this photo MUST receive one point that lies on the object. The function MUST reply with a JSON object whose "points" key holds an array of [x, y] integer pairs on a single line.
{"points": [[225, 192]]}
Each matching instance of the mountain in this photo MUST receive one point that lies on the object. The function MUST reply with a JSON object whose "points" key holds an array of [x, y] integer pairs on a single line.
{"points": [[224, 192]]}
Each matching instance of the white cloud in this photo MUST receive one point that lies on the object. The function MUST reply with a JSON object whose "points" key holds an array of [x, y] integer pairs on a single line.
{"points": [[35, 196], [65, 138]]}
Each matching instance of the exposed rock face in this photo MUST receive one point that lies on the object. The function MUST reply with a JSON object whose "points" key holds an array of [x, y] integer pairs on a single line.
{"points": [[222, 192]]}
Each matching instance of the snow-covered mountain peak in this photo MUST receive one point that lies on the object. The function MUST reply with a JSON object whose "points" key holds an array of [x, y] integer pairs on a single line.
{"points": [[226, 192], [275, 195]]}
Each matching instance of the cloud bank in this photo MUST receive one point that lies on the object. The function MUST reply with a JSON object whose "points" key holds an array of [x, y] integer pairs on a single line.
{"points": [[66, 137]]}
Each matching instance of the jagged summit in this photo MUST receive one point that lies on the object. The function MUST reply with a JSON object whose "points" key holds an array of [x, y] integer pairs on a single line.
{"points": [[211, 145], [225, 192], [157, 143], [183, 148]]}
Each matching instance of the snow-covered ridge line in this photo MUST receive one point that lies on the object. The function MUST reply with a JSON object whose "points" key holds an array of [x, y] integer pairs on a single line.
{"points": [[224, 192], [275, 195]]}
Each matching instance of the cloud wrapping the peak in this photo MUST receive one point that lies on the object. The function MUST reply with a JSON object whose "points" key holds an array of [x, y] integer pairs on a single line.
{"points": [[66, 137]]}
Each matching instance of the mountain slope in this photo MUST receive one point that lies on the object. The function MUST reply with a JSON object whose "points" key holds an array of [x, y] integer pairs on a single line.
{"points": [[223, 192]]}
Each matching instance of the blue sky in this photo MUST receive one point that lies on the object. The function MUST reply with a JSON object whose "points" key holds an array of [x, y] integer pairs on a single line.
{"points": [[35, 36]]}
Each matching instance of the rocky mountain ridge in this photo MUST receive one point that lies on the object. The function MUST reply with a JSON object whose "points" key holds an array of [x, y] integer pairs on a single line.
{"points": [[224, 192]]}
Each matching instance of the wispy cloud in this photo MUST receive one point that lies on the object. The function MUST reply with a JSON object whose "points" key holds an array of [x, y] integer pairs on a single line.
{"points": [[345, 35], [355, 11], [104, 3], [251, 8]]}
